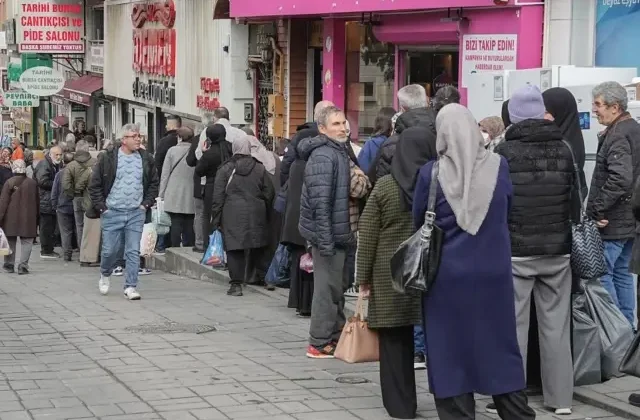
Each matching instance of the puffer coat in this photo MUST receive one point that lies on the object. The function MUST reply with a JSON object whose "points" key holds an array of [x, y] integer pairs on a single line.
{"points": [[242, 199], [324, 205], [617, 166]]}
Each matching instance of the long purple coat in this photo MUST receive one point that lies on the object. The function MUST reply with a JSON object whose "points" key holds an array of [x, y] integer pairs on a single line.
{"points": [[469, 315]]}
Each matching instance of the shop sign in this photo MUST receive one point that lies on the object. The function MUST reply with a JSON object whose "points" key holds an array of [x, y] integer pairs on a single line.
{"points": [[42, 81], [154, 49], [8, 128], [617, 33], [97, 58], [79, 98], [20, 99], [57, 100], [208, 99], [155, 91], [488, 53], [51, 27]]}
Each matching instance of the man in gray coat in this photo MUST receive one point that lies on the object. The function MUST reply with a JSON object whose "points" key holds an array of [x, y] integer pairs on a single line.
{"points": [[324, 223]]}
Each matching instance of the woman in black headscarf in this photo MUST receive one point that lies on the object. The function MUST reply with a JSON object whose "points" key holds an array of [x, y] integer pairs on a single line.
{"points": [[385, 223], [562, 108], [505, 114]]}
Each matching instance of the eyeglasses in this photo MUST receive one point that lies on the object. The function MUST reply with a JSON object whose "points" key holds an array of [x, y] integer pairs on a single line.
{"points": [[131, 136]]}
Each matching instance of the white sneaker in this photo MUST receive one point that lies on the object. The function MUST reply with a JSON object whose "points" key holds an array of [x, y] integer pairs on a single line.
{"points": [[118, 271], [103, 285], [131, 293], [352, 291], [563, 411]]}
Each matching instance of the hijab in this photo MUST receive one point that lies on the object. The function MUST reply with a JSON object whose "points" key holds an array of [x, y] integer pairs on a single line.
{"points": [[241, 146], [505, 113], [560, 103], [468, 173], [262, 155], [416, 146], [493, 126]]}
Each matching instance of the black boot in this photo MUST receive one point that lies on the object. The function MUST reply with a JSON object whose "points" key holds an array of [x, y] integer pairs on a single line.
{"points": [[8, 268], [235, 290]]}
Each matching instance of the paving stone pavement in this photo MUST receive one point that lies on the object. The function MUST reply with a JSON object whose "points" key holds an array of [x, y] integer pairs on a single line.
{"points": [[66, 353]]}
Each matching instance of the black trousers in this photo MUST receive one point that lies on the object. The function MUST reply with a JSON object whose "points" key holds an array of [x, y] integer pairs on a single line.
{"points": [[48, 223], [247, 265], [207, 199], [512, 406], [182, 229], [397, 375]]}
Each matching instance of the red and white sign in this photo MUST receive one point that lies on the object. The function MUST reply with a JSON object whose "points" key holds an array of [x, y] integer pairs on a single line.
{"points": [[52, 27], [154, 49], [488, 53], [208, 100]]}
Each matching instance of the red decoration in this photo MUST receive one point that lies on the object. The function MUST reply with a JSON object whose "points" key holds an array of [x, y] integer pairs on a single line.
{"points": [[209, 85], [154, 51], [207, 103], [163, 11]]}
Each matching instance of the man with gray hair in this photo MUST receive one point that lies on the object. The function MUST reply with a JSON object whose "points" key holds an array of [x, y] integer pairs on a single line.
{"points": [[325, 225], [609, 204], [414, 112], [124, 185]]}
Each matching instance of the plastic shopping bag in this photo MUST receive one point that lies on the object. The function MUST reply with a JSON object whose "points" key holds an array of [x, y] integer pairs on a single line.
{"points": [[279, 273], [5, 249], [160, 218], [587, 350], [615, 331], [215, 255], [306, 263], [148, 240]]}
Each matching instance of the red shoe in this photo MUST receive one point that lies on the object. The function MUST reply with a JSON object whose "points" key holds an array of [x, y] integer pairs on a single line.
{"points": [[325, 352]]}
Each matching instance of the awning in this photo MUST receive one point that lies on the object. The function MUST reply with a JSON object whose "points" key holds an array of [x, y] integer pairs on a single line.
{"points": [[59, 121], [80, 90]]}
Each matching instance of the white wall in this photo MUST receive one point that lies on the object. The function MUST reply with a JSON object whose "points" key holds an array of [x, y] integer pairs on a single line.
{"points": [[569, 32], [199, 53]]}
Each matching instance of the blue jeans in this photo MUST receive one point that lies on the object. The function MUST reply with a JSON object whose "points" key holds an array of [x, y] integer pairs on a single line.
{"points": [[119, 226], [418, 340], [619, 281]]}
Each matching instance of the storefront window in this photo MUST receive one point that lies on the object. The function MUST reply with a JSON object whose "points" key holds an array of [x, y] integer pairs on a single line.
{"points": [[370, 74]]}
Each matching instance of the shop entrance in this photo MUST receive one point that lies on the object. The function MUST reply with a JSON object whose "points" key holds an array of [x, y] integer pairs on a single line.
{"points": [[431, 66]]}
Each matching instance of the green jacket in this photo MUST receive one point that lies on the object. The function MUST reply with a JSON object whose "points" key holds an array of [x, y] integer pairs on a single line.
{"points": [[383, 226], [75, 182]]}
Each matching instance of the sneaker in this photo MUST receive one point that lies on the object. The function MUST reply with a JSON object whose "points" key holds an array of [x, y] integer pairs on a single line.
{"points": [[325, 352], [352, 292], [491, 408], [563, 411], [118, 271], [52, 256], [23, 270], [103, 285], [131, 293], [144, 271], [270, 287], [159, 252], [419, 362], [67, 258], [8, 268], [198, 250], [235, 290], [634, 400]]}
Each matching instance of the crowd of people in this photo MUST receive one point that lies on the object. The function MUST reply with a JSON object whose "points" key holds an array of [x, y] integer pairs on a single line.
{"points": [[504, 191]]}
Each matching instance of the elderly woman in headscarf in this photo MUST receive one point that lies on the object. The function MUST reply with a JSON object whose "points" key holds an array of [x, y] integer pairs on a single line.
{"points": [[469, 312], [242, 199], [385, 223], [492, 129], [5, 165]]}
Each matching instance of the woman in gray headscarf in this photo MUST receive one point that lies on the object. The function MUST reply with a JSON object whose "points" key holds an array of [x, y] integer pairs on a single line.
{"points": [[243, 194], [469, 313]]}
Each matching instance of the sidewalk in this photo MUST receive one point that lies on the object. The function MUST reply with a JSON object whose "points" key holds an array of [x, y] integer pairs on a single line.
{"points": [[67, 352]]}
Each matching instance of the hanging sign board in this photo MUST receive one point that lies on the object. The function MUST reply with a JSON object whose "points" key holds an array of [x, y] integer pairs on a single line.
{"points": [[20, 99], [488, 53], [42, 81], [50, 27]]}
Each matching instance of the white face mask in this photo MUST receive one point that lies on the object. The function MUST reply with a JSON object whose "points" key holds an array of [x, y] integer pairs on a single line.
{"points": [[486, 138]]}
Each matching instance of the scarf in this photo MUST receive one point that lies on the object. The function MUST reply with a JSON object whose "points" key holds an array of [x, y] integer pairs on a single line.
{"points": [[262, 155], [468, 172], [416, 146]]}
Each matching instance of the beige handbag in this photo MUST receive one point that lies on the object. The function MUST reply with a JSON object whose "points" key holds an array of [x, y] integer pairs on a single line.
{"points": [[358, 344]]}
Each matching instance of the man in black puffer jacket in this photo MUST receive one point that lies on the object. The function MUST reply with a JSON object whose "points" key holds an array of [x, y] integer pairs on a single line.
{"points": [[325, 225], [609, 204], [542, 173]]}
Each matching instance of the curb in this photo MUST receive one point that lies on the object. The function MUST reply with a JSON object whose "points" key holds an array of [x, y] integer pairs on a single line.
{"points": [[614, 406]]}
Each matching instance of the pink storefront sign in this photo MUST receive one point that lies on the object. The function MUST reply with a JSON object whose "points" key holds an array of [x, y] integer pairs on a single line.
{"points": [[268, 8]]}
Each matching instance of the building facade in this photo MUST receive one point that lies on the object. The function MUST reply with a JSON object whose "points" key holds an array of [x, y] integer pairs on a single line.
{"points": [[366, 50]]}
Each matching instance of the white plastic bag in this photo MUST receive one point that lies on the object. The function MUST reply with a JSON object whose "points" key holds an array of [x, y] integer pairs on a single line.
{"points": [[148, 240], [5, 249]]}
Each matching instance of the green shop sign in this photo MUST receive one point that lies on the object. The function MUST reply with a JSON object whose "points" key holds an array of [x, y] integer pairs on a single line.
{"points": [[20, 99]]}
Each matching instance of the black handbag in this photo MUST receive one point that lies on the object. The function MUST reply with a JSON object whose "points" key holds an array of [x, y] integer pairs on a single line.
{"points": [[587, 248], [415, 263]]}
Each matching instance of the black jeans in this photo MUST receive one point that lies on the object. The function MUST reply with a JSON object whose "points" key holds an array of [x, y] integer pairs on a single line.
{"points": [[247, 266], [182, 229], [67, 225], [48, 225]]}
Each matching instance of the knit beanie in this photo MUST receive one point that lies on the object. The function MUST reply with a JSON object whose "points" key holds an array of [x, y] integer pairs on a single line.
{"points": [[526, 103]]}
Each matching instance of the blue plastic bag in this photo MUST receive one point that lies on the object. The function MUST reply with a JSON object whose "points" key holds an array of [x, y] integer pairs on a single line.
{"points": [[279, 273], [215, 255]]}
